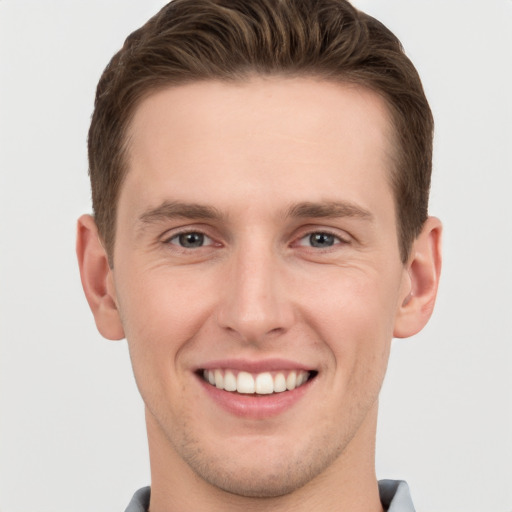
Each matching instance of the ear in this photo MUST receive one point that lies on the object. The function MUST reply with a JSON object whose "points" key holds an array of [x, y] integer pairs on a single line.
{"points": [[424, 268], [97, 279]]}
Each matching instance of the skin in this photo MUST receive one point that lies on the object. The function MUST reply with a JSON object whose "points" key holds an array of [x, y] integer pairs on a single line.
{"points": [[252, 158]]}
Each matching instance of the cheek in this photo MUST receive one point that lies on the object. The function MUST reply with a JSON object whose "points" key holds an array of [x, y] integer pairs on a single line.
{"points": [[161, 314], [354, 300], [355, 320], [163, 302]]}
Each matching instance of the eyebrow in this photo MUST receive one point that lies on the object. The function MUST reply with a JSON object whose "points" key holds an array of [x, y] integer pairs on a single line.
{"points": [[328, 209], [178, 210]]}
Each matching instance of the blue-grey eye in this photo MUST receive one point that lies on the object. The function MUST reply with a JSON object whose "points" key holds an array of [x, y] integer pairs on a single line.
{"points": [[322, 240], [190, 240]]}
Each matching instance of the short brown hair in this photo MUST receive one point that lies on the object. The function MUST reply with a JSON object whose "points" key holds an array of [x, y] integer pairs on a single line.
{"points": [[193, 40]]}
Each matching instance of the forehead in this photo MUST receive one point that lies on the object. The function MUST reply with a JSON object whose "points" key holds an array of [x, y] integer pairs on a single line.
{"points": [[294, 132]]}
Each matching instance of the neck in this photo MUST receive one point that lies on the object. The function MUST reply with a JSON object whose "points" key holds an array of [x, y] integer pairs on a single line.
{"points": [[349, 483]]}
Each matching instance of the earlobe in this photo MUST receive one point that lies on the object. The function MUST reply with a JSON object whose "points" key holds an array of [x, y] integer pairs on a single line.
{"points": [[424, 268], [97, 279]]}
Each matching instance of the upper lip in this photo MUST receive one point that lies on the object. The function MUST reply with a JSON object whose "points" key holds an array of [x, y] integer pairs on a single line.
{"points": [[255, 366]]}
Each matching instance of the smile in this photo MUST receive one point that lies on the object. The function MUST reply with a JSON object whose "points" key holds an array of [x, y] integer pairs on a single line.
{"points": [[265, 383]]}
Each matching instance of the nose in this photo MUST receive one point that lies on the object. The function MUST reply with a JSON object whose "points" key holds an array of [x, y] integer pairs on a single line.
{"points": [[254, 304]]}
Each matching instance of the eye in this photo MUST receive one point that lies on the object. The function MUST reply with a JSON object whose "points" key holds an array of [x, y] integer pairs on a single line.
{"points": [[190, 240], [320, 240]]}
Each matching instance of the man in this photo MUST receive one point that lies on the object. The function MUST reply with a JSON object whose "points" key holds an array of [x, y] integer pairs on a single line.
{"points": [[260, 173]]}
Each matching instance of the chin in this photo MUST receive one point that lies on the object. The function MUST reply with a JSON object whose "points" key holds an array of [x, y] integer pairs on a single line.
{"points": [[258, 482], [263, 472]]}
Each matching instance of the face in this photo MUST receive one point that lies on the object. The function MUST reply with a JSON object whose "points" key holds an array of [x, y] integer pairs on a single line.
{"points": [[258, 277]]}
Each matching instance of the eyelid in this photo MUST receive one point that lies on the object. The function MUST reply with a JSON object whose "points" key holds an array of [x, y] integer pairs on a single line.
{"points": [[342, 238], [338, 240], [174, 233], [207, 241]]}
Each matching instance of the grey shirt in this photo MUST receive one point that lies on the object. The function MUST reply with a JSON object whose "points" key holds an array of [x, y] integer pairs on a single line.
{"points": [[394, 495]]}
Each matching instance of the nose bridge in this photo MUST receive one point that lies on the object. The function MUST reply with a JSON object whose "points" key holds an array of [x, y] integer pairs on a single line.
{"points": [[254, 304]]}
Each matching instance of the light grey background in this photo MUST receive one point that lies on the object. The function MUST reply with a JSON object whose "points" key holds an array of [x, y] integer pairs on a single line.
{"points": [[72, 435]]}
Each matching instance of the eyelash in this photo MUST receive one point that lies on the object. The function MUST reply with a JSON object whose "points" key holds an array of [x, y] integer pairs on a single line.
{"points": [[297, 242], [338, 240], [177, 237]]}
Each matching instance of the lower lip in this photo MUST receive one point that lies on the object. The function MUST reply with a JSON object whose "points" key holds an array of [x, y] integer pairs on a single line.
{"points": [[255, 406]]}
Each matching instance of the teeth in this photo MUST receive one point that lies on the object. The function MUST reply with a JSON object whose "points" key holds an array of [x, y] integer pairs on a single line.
{"points": [[264, 383], [291, 381], [229, 381], [219, 379], [279, 383], [245, 383]]}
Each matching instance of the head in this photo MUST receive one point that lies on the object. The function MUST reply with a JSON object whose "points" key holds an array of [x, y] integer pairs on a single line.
{"points": [[260, 173], [233, 40]]}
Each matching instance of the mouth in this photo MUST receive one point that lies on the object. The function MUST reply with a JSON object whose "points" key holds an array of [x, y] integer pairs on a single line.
{"points": [[263, 383]]}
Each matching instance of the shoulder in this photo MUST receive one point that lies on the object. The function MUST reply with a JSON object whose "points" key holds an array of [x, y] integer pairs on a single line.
{"points": [[140, 501], [395, 496]]}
